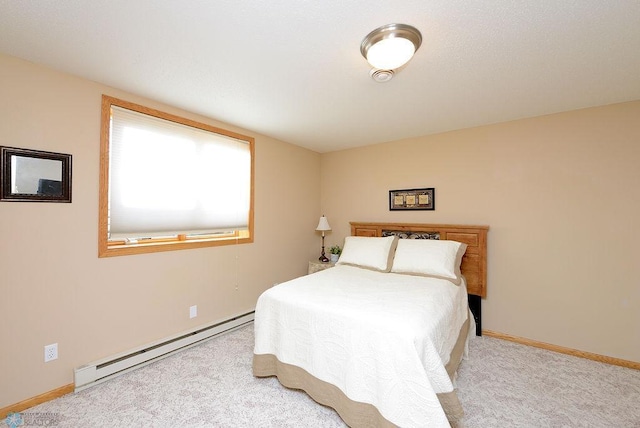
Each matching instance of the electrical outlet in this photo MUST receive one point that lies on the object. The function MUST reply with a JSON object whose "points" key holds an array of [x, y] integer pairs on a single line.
{"points": [[193, 311], [50, 352]]}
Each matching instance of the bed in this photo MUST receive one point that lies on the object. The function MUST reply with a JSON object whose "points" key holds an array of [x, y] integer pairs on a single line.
{"points": [[378, 337]]}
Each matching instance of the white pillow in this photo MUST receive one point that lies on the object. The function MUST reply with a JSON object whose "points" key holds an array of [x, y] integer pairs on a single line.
{"points": [[368, 252], [429, 257]]}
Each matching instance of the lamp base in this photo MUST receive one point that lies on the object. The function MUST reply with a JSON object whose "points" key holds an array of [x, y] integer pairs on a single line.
{"points": [[323, 258]]}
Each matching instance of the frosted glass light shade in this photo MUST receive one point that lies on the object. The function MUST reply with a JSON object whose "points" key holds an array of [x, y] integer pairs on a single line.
{"points": [[389, 54]]}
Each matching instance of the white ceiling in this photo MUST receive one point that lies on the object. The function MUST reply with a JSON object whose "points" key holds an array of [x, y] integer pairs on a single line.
{"points": [[292, 69]]}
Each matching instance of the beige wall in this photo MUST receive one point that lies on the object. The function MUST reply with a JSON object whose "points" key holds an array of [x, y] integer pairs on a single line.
{"points": [[561, 194], [55, 289]]}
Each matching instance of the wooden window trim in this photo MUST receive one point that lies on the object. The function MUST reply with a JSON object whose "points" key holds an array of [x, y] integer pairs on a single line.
{"points": [[108, 248]]}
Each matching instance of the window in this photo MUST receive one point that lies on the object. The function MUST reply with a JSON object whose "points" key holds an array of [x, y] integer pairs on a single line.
{"points": [[169, 183]]}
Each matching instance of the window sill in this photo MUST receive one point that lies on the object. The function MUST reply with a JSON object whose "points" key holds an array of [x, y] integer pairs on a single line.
{"points": [[114, 250]]}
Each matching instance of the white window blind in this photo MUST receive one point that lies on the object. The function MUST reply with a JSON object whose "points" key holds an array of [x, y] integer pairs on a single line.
{"points": [[166, 178]]}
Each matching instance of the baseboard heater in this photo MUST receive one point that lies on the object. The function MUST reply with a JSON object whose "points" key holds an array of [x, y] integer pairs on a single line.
{"points": [[107, 368]]}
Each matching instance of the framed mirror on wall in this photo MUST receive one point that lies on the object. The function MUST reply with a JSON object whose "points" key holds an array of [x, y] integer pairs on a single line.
{"points": [[34, 176]]}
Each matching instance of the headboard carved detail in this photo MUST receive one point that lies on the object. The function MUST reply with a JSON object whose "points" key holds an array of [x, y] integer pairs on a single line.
{"points": [[474, 262], [411, 235]]}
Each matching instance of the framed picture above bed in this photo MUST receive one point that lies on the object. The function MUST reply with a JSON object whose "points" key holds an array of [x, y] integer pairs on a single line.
{"points": [[412, 199]]}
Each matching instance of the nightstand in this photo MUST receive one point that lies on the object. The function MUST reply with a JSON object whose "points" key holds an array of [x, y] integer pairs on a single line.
{"points": [[318, 266]]}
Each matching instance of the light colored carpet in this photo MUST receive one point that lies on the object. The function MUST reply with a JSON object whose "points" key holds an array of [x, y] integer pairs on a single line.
{"points": [[502, 384]]}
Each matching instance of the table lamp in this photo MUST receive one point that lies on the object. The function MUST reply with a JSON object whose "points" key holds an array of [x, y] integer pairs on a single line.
{"points": [[323, 225]]}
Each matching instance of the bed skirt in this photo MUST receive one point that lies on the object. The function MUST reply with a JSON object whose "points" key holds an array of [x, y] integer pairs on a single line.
{"points": [[355, 414]]}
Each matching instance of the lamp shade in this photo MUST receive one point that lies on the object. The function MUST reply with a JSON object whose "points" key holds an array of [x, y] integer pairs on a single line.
{"points": [[391, 46], [323, 224]]}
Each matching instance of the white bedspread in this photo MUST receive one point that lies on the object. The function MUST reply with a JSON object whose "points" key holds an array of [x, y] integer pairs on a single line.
{"points": [[382, 338]]}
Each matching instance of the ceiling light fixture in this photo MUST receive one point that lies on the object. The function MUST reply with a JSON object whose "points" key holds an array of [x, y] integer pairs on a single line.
{"points": [[391, 46]]}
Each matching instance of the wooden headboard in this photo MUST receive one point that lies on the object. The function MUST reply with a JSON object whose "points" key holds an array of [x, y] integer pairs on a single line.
{"points": [[474, 261]]}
